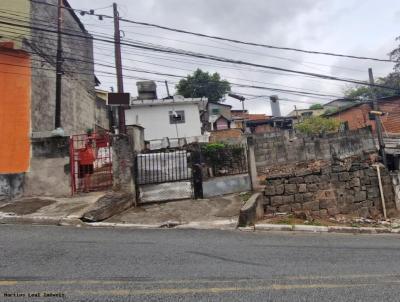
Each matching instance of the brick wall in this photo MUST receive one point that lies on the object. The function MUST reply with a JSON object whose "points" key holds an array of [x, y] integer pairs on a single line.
{"points": [[334, 188], [357, 117], [234, 136]]}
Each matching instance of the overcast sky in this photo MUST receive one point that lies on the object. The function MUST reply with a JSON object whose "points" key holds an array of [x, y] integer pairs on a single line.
{"points": [[356, 27]]}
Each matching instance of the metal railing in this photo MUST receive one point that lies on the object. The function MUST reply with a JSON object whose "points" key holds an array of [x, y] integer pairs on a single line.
{"points": [[225, 161], [162, 167]]}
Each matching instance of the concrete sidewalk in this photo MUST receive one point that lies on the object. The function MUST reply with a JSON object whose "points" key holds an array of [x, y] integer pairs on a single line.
{"points": [[220, 212], [48, 210]]}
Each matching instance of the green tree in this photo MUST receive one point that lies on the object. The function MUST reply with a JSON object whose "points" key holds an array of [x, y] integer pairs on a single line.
{"points": [[316, 107], [395, 56], [392, 80], [318, 125], [203, 84]]}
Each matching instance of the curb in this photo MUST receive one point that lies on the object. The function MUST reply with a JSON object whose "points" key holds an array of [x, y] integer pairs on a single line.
{"points": [[200, 225], [42, 220], [319, 229]]}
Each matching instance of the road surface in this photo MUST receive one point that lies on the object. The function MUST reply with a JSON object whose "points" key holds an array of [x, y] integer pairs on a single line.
{"points": [[104, 264]]}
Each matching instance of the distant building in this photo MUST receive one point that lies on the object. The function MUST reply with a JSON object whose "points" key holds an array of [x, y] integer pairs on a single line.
{"points": [[339, 103], [357, 115], [217, 116], [167, 122], [300, 114]]}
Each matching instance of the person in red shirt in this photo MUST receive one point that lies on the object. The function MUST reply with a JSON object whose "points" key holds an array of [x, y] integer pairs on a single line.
{"points": [[87, 157]]}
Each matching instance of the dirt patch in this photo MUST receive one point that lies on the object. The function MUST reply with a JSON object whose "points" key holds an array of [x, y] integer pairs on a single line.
{"points": [[26, 206]]}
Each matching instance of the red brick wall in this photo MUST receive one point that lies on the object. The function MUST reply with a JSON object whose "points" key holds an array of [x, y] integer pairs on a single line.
{"points": [[357, 117]]}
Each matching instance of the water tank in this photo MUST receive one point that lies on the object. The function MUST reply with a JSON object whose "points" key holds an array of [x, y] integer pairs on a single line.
{"points": [[147, 90], [275, 108]]}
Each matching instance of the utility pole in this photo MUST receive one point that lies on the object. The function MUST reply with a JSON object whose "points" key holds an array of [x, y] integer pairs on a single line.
{"points": [[166, 86], [59, 71], [118, 66], [378, 122]]}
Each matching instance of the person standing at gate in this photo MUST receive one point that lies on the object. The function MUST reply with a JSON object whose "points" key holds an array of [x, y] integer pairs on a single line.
{"points": [[86, 165]]}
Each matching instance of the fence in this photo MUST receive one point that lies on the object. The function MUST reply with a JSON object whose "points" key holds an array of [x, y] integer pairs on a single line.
{"points": [[162, 167], [224, 160], [91, 162]]}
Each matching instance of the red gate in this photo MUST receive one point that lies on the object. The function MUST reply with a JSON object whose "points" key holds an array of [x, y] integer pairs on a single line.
{"points": [[91, 162]]}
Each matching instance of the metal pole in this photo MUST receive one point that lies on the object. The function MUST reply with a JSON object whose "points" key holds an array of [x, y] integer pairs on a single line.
{"points": [[118, 66], [166, 86], [59, 71], [378, 122]]}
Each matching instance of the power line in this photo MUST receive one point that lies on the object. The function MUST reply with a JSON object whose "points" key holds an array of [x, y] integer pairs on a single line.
{"points": [[227, 39], [205, 56]]}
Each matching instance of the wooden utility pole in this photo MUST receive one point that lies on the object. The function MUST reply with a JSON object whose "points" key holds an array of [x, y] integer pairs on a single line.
{"points": [[118, 66], [378, 123], [59, 71]]}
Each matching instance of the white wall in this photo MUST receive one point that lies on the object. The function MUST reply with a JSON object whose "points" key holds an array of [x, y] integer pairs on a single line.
{"points": [[155, 120]]}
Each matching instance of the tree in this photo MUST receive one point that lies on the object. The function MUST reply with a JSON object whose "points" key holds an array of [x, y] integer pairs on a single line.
{"points": [[204, 84], [316, 107], [318, 125], [392, 80], [395, 56]]}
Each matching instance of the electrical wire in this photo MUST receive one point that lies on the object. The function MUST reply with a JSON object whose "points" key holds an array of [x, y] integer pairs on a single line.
{"points": [[222, 38]]}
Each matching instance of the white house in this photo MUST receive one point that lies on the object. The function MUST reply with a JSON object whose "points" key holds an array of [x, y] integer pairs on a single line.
{"points": [[175, 120]]}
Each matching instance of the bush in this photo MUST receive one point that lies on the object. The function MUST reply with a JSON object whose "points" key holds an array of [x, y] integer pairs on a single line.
{"points": [[318, 125]]}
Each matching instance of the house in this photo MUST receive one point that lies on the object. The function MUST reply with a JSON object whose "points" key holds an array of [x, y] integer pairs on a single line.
{"points": [[271, 124], [337, 104], [33, 156], [300, 114], [172, 121], [357, 115], [217, 116]]}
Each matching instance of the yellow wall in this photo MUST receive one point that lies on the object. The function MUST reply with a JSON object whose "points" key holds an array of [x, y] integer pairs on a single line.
{"points": [[21, 8], [15, 95]]}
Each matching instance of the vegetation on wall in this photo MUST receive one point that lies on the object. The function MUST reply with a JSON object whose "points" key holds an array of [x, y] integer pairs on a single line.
{"points": [[318, 125]]}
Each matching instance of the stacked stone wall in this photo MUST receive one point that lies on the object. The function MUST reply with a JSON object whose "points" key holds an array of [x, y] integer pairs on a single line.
{"points": [[334, 188]]}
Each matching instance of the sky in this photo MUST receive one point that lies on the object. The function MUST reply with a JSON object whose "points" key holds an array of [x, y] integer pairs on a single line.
{"points": [[354, 27]]}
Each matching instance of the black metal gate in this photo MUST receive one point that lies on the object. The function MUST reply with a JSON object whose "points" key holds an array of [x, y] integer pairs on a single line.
{"points": [[164, 175]]}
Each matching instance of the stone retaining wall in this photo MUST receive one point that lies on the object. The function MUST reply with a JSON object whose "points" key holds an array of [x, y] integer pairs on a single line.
{"points": [[349, 187]]}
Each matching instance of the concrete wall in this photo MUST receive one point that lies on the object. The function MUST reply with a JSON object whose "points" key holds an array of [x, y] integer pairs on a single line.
{"points": [[156, 123], [226, 185], [11, 186], [15, 33], [102, 114], [166, 191], [78, 95], [49, 173], [281, 148]]}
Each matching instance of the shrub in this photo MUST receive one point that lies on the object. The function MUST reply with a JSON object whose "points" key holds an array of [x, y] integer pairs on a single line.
{"points": [[318, 125]]}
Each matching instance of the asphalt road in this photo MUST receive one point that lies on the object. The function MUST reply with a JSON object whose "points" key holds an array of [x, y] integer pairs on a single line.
{"points": [[190, 265]]}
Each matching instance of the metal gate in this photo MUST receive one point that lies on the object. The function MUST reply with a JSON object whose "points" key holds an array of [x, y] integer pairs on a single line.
{"points": [[164, 175], [91, 162]]}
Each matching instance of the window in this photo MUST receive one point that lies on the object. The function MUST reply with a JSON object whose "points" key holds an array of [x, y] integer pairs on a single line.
{"points": [[306, 114], [215, 111], [177, 117]]}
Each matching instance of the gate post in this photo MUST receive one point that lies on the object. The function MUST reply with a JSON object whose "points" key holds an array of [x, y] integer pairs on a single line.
{"points": [[123, 165], [255, 185], [197, 174]]}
